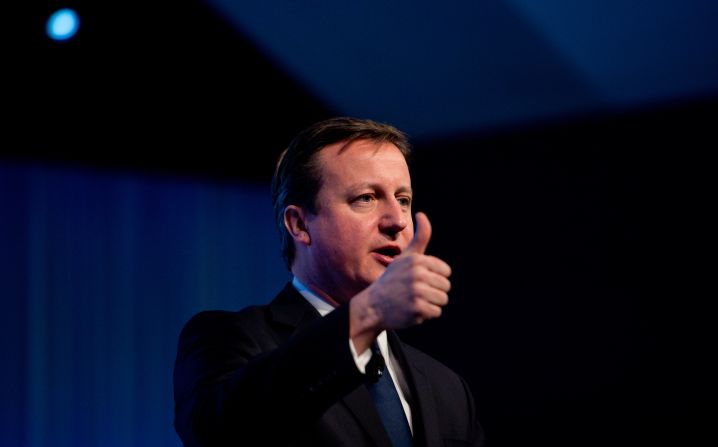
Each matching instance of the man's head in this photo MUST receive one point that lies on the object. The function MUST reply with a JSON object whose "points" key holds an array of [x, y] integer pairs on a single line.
{"points": [[314, 180]]}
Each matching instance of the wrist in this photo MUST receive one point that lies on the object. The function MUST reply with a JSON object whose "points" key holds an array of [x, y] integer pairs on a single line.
{"points": [[364, 322]]}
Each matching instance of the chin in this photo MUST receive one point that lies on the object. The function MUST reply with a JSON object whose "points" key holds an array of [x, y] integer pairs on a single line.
{"points": [[371, 279]]}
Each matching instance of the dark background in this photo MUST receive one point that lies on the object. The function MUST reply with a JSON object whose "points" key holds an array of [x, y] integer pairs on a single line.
{"points": [[576, 223]]}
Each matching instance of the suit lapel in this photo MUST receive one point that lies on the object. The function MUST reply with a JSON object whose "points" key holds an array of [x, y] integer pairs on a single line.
{"points": [[423, 406], [360, 405], [291, 312], [426, 405]]}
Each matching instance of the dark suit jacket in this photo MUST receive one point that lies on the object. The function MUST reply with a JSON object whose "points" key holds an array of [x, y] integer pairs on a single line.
{"points": [[281, 375]]}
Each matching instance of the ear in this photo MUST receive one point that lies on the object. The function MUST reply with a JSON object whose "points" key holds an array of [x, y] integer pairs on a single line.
{"points": [[295, 223]]}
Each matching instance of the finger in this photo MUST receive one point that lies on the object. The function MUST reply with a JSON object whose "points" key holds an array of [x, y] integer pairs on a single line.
{"points": [[433, 295], [427, 310], [438, 282], [437, 265], [422, 234]]}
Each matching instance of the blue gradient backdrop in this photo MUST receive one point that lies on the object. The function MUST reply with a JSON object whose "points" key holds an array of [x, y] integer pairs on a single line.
{"points": [[98, 272]]}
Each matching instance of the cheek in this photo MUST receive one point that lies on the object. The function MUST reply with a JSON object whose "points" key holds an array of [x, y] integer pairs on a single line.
{"points": [[352, 235], [356, 238]]}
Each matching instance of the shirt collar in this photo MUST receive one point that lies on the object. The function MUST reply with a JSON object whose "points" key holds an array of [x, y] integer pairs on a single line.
{"points": [[318, 303]]}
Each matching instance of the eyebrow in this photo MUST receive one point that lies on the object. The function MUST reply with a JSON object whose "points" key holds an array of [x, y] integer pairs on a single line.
{"points": [[360, 186]]}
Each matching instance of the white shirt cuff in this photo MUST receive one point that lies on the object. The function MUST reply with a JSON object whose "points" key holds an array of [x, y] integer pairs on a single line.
{"points": [[360, 360]]}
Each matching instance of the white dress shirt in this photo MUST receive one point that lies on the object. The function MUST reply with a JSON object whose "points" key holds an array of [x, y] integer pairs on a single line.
{"points": [[362, 359]]}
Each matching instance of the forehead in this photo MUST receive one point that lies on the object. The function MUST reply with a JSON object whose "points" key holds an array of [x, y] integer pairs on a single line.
{"points": [[361, 153], [349, 165]]}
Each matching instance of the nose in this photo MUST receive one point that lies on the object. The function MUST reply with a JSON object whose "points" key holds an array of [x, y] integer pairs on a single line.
{"points": [[394, 218]]}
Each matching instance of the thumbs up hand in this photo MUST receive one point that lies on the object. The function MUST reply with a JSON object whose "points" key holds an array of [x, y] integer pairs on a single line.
{"points": [[413, 289], [422, 235]]}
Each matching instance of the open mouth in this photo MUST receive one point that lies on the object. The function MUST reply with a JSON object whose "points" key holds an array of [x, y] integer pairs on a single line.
{"points": [[386, 255], [389, 251]]}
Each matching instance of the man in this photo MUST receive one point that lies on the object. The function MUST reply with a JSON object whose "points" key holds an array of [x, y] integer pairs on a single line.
{"points": [[320, 365]]}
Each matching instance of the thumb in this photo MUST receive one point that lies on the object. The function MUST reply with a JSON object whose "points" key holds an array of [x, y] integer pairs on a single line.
{"points": [[422, 234]]}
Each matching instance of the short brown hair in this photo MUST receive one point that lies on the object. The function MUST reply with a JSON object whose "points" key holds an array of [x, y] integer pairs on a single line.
{"points": [[297, 176]]}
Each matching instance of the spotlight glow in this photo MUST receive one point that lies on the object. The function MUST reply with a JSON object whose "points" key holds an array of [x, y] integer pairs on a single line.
{"points": [[63, 24]]}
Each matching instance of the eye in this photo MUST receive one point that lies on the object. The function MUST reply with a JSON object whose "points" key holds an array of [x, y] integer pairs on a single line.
{"points": [[364, 200], [404, 201]]}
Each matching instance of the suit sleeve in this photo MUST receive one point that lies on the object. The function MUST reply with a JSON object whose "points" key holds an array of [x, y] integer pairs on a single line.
{"points": [[233, 383]]}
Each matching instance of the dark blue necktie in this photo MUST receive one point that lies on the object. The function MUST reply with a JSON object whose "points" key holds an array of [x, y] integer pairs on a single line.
{"points": [[387, 401]]}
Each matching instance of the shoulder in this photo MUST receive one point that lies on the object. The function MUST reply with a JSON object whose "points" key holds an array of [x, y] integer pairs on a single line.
{"points": [[223, 325], [224, 317], [218, 319], [217, 336]]}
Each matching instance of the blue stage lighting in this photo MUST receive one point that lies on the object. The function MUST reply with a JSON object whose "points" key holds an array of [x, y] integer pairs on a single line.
{"points": [[63, 24]]}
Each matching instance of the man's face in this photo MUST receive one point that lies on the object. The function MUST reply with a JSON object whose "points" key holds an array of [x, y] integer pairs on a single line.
{"points": [[363, 216]]}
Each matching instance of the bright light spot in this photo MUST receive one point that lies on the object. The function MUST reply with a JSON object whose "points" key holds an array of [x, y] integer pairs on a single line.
{"points": [[63, 24]]}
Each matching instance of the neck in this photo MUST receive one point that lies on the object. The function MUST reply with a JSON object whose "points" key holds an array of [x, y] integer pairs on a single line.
{"points": [[317, 290]]}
